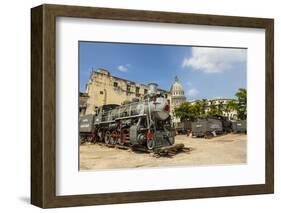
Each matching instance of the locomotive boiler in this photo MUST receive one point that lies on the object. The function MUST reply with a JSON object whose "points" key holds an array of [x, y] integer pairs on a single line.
{"points": [[146, 122]]}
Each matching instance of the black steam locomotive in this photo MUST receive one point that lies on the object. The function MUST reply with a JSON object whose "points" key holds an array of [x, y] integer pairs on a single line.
{"points": [[146, 123]]}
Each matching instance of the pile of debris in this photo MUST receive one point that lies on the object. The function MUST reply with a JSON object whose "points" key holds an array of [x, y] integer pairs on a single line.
{"points": [[167, 151], [170, 151]]}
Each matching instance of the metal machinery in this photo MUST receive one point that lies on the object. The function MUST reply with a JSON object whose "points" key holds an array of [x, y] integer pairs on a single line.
{"points": [[207, 127], [86, 124], [226, 123], [145, 122], [216, 125], [239, 126], [183, 127]]}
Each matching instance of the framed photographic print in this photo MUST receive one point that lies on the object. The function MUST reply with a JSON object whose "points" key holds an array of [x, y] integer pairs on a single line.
{"points": [[137, 106]]}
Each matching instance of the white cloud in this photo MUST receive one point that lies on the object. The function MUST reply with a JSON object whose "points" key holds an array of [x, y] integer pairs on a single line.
{"points": [[214, 60], [192, 92], [124, 68]]}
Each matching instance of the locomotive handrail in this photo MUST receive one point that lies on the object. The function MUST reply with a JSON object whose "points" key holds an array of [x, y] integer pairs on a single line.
{"points": [[133, 116], [120, 118]]}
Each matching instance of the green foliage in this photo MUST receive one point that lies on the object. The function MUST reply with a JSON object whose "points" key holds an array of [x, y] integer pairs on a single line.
{"points": [[230, 106], [182, 111], [220, 108], [203, 106], [213, 110], [191, 112], [187, 111], [241, 107]]}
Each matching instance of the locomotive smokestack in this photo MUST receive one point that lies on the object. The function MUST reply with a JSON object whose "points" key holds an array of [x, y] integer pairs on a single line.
{"points": [[152, 89]]}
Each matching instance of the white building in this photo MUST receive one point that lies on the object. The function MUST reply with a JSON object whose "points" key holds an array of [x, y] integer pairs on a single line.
{"points": [[232, 114], [177, 97]]}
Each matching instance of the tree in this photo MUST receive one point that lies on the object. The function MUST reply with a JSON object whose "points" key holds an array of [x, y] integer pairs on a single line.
{"points": [[195, 109], [213, 109], [220, 108], [230, 106], [182, 111], [203, 106], [187, 111], [241, 95]]}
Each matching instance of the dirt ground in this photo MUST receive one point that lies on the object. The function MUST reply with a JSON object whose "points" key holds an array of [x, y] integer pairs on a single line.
{"points": [[226, 149]]}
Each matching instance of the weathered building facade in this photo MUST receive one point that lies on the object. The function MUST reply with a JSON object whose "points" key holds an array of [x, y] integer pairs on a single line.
{"points": [[103, 88]]}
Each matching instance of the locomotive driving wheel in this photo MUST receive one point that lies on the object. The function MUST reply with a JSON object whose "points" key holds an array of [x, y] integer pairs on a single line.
{"points": [[107, 137], [100, 136], [89, 139], [150, 144], [124, 136], [119, 138], [114, 137]]}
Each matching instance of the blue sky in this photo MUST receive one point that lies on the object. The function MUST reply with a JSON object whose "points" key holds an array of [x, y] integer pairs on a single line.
{"points": [[204, 72]]}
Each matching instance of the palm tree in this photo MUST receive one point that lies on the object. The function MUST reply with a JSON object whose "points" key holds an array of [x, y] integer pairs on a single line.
{"points": [[230, 106], [241, 95], [220, 108]]}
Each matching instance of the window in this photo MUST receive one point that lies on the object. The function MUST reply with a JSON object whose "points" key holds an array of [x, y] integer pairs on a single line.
{"points": [[137, 90], [115, 84], [145, 91], [101, 92], [128, 88]]}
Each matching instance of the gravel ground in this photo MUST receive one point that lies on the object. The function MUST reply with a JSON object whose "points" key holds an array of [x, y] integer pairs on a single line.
{"points": [[226, 149]]}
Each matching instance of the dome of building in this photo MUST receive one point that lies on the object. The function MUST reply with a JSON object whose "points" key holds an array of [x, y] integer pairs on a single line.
{"points": [[177, 98], [176, 88]]}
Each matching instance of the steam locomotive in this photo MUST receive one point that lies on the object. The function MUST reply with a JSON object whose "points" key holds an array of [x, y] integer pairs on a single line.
{"points": [[146, 123]]}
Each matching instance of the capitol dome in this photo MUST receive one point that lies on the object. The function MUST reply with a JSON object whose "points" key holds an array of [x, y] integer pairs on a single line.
{"points": [[177, 98], [176, 88]]}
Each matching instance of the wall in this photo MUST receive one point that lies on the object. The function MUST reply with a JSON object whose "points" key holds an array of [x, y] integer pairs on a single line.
{"points": [[15, 107], [101, 90]]}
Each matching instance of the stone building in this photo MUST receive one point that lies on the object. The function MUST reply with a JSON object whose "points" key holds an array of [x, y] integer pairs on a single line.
{"points": [[177, 98], [103, 88]]}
